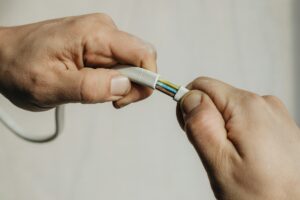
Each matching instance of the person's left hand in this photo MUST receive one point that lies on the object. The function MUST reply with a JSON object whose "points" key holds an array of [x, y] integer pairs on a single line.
{"points": [[66, 60]]}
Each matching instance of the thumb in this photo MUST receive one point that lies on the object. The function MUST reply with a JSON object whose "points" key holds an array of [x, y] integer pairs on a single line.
{"points": [[93, 85], [204, 125]]}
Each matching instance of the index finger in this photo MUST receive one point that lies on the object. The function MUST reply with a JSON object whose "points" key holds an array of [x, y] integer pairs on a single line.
{"points": [[128, 49], [222, 94]]}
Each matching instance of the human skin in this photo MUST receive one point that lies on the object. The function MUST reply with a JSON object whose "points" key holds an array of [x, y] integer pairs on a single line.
{"points": [[70, 59], [249, 144]]}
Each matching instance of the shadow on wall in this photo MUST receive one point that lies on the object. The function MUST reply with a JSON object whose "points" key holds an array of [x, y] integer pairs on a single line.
{"points": [[296, 24]]}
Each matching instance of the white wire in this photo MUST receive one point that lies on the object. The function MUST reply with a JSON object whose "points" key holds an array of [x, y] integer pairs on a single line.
{"points": [[10, 123]]}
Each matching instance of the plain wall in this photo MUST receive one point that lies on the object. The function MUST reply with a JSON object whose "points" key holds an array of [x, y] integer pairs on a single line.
{"points": [[140, 152], [296, 53]]}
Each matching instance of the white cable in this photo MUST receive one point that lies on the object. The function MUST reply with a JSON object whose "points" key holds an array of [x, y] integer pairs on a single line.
{"points": [[147, 78], [139, 75], [10, 123], [135, 74], [180, 93]]}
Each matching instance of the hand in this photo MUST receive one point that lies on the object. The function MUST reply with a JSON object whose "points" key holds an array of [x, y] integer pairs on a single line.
{"points": [[70, 60], [249, 144]]}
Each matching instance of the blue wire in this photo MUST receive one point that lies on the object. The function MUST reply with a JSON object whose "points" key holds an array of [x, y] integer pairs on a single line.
{"points": [[174, 91]]}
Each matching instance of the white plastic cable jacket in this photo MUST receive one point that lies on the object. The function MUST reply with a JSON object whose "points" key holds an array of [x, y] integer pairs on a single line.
{"points": [[146, 78], [180, 93], [10, 123], [139, 75]]}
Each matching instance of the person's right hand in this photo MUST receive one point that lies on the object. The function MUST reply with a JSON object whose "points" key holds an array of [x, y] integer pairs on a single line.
{"points": [[249, 144]]}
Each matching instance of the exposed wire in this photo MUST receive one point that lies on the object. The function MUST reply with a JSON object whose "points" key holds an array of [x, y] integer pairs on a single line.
{"points": [[135, 74], [167, 87]]}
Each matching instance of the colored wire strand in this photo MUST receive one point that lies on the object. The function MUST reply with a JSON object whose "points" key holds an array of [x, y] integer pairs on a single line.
{"points": [[167, 87]]}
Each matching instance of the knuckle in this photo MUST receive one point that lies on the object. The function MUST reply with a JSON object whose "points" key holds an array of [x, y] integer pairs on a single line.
{"points": [[151, 50], [87, 96], [202, 78], [105, 17], [251, 101], [89, 21], [272, 99], [37, 95], [38, 87], [102, 17], [147, 53], [76, 24], [250, 97], [198, 81], [86, 92]]}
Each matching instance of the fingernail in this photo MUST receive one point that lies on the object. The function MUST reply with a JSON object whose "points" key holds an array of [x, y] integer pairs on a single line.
{"points": [[118, 105], [119, 86], [190, 102]]}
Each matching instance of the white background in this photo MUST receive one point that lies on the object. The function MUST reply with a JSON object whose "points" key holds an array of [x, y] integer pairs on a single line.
{"points": [[139, 152]]}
